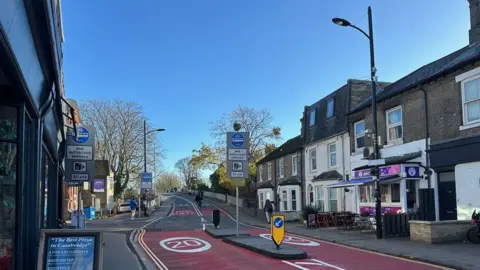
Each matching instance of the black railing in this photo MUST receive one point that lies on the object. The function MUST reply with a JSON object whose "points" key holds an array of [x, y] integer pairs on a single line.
{"points": [[398, 224]]}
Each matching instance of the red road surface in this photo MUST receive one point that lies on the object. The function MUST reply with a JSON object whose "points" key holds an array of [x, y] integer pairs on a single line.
{"points": [[225, 256]]}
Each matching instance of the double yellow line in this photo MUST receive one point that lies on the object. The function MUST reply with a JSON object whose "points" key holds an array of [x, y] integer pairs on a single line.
{"points": [[160, 265]]}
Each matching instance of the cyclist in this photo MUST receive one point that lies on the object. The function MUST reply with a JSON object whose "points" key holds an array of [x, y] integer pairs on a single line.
{"points": [[198, 200]]}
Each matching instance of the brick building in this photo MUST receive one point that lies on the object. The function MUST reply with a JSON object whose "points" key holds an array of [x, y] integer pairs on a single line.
{"points": [[279, 174], [428, 120], [326, 140]]}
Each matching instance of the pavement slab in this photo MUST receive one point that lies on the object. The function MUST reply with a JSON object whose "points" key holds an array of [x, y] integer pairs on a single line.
{"points": [[265, 247]]}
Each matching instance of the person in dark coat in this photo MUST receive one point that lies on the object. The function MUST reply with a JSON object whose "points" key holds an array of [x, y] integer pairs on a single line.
{"points": [[268, 208]]}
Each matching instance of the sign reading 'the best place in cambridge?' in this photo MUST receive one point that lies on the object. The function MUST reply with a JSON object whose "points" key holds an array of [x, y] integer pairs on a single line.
{"points": [[237, 155], [70, 249], [80, 155], [75, 252]]}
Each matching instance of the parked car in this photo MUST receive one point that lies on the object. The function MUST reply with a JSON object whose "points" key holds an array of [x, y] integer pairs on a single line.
{"points": [[124, 207]]}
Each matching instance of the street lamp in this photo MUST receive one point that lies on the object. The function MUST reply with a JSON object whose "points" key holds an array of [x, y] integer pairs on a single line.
{"points": [[145, 143], [373, 77]]}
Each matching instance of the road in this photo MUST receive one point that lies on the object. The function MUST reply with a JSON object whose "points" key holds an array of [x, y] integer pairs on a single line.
{"points": [[179, 242], [118, 253]]}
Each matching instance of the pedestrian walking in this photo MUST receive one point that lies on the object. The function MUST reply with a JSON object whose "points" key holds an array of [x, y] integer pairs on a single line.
{"points": [[268, 208], [133, 207]]}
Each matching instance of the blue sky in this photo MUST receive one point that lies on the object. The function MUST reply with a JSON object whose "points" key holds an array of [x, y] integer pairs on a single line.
{"points": [[187, 62]]}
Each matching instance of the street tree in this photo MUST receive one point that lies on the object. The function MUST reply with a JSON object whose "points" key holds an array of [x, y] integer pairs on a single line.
{"points": [[119, 139], [167, 181], [188, 172], [258, 122]]}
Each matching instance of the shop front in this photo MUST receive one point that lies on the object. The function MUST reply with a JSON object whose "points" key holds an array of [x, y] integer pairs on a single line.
{"points": [[31, 129], [399, 188]]}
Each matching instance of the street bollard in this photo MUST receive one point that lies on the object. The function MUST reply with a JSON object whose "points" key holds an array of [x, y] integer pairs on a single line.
{"points": [[216, 218]]}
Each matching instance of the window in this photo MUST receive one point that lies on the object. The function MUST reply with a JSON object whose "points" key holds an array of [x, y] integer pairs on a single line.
{"points": [[282, 168], [294, 165], [313, 159], [384, 193], [8, 181], [394, 124], [285, 200], [269, 172], [330, 108], [395, 193], [312, 117], [366, 193], [320, 204], [332, 199], [359, 134], [260, 173], [310, 194], [332, 155], [471, 101], [262, 203], [294, 200]]}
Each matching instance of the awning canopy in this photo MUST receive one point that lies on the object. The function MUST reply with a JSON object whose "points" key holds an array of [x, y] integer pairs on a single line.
{"points": [[363, 181]]}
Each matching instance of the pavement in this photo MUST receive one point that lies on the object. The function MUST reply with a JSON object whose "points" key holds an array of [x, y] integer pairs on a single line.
{"points": [[179, 241], [454, 256], [119, 251]]}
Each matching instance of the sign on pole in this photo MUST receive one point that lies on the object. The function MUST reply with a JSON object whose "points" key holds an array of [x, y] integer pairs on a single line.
{"points": [[146, 182], [80, 155], [278, 229], [237, 157]]}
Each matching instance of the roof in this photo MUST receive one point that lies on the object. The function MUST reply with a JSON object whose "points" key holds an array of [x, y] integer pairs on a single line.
{"points": [[328, 175], [427, 73], [267, 184], [288, 147], [293, 180]]}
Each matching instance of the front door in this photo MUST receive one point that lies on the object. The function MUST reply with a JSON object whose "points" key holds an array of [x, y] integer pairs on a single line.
{"points": [[447, 197]]}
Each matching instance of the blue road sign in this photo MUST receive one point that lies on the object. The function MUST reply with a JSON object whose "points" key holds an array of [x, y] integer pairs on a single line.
{"points": [[278, 222], [82, 135], [147, 177], [237, 140]]}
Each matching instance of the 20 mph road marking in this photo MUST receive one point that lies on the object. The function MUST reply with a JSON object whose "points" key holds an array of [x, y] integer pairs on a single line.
{"points": [[185, 244], [293, 240]]}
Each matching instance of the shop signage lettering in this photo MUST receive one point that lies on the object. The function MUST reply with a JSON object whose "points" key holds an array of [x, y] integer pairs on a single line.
{"points": [[386, 170]]}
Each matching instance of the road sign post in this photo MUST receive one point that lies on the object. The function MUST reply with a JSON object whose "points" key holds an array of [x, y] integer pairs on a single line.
{"points": [[278, 229], [80, 159], [237, 160]]}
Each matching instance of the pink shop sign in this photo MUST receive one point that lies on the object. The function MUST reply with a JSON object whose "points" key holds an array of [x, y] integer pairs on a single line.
{"points": [[385, 210], [387, 170]]}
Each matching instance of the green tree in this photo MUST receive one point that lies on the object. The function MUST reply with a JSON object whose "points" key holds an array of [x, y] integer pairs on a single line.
{"points": [[257, 122], [130, 193], [188, 172], [202, 186]]}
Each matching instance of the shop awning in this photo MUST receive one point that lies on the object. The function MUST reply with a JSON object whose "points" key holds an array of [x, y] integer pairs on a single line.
{"points": [[363, 181]]}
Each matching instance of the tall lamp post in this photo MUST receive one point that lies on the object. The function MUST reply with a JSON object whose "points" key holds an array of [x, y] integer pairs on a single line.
{"points": [[373, 78], [145, 147]]}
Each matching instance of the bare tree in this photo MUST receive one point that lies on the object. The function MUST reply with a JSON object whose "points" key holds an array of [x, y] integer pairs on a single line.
{"points": [[258, 122], [188, 172], [167, 181], [119, 139]]}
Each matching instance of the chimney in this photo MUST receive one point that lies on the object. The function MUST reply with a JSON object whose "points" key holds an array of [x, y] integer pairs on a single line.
{"points": [[474, 33]]}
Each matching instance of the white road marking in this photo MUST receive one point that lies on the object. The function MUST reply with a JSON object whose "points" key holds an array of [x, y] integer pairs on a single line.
{"points": [[315, 263], [203, 220], [185, 244], [293, 240]]}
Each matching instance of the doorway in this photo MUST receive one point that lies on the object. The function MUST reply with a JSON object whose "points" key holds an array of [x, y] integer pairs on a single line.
{"points": [[447, 195]]}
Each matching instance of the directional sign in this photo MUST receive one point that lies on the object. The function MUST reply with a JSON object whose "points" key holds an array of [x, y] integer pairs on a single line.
{"points": [[237, 156], [80, 155], [278, 229]]}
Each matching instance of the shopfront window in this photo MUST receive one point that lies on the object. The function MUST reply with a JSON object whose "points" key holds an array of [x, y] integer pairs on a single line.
{"points": [[384, 193], [389, 193], [395, 193], [366, 193], [8, 181]]}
